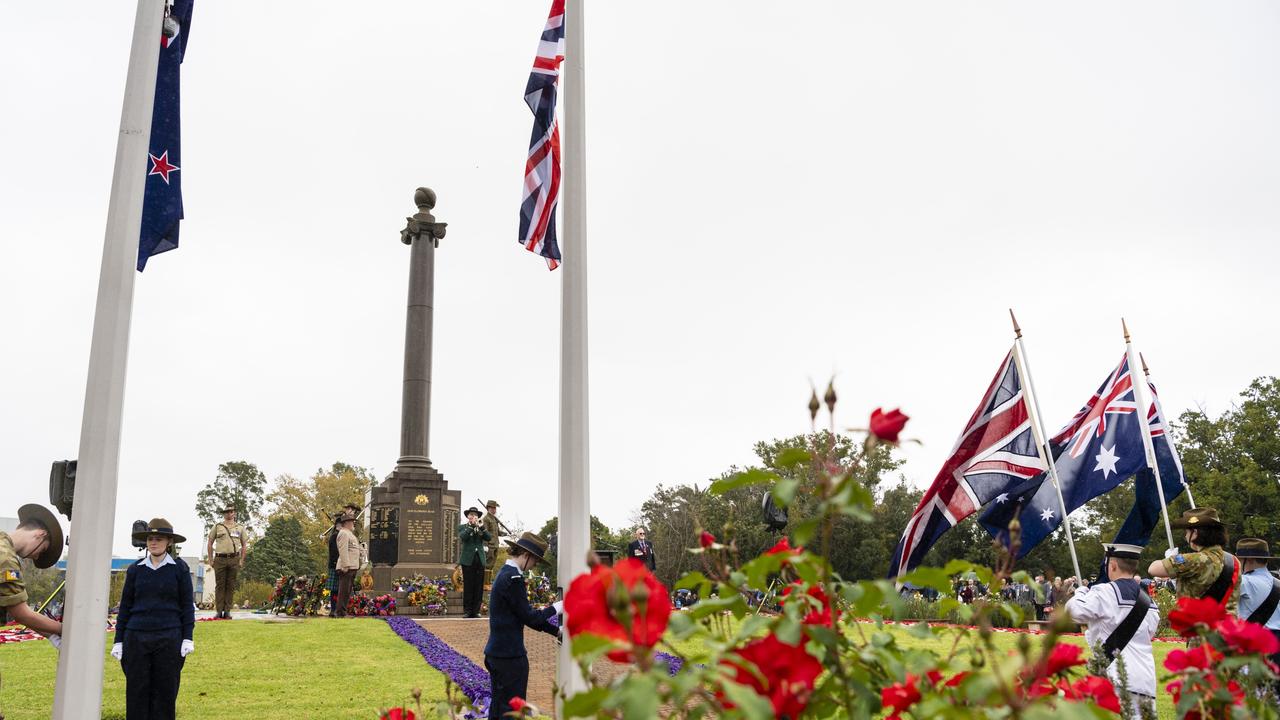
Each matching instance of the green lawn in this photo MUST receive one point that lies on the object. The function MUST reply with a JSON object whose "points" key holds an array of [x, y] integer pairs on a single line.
{"points": [[249, 669]]}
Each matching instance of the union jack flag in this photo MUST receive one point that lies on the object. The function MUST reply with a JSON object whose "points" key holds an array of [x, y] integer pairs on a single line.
{"points": [[995, 451], [542, 169]]}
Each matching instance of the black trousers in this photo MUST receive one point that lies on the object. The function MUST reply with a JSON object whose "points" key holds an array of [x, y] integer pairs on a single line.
{"points": [[508, 678], [472, 588], [152, 664]]}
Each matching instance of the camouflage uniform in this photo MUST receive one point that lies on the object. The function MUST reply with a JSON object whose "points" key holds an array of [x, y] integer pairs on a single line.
{"points": [[12, 591], [490, 524], [1197, 571]]}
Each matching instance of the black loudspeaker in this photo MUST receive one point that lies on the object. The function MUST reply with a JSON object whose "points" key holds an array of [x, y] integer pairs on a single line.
{"points": [[62, 485], [774, 517], [139, 526]]}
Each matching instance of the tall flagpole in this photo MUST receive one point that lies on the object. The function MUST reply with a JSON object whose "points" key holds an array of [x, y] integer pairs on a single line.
{"points": [[78, 694], [574, 539], [1042, 437], [1146, 373], [1140, 395]]}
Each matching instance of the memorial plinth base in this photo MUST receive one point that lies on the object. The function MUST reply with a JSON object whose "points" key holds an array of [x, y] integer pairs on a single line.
{"points": [[413, 526]]}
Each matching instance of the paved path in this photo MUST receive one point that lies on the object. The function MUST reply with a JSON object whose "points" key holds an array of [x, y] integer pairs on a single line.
{"points": [[468, 637]]}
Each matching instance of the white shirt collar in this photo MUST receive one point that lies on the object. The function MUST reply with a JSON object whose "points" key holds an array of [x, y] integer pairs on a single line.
{"points": [[512, 562], [146, 560]]}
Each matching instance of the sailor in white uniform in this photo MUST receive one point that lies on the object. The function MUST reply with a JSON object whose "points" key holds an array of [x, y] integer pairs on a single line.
{"points": [[1122, 618]]}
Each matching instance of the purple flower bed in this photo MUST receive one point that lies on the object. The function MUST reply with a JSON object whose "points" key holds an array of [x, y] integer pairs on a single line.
{"points": [[469, 677], [674, 662]]}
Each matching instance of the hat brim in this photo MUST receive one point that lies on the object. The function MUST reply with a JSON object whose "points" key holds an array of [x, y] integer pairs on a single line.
{"points": [[171, 535], [42, 515], [1181, 524], [532, 551], [1256, 557]]}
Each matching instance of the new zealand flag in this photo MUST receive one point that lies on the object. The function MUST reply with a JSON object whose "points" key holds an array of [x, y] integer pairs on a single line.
{"points": [[1095, 452], [162, 201]]}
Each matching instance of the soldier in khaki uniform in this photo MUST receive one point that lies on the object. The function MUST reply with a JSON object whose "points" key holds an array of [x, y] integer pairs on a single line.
{"points": [[226, 553], [493, 528], [1210, 571], [38, 537]]}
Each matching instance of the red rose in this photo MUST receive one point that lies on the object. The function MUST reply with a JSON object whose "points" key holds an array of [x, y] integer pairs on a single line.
{"points": [[886, 425], [1197, 658], [517, 704], [900, 696], [706, 539], [1063, 656], [625, 603], [957, 679], [1248, 638], [1195, 611], [397, 714], [783, 547], [1095, 688], [822, 615], [786, 673]]}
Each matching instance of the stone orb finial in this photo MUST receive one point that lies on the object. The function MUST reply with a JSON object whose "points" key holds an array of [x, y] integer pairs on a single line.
{"points": [[424, 198]]}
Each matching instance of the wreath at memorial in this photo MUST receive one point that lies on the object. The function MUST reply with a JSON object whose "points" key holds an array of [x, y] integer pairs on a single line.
{"points": [[539, 590], [299, 596], [429, 594], [361, 605]]}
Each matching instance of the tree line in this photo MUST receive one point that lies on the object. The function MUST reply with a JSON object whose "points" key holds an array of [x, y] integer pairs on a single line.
{"points": [[1231, 461]]}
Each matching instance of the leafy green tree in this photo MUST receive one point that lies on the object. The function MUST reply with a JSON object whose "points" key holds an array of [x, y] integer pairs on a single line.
{"points": [[602, 538], [314, 500], [239, 484], [280, 552], [1232, 462]]}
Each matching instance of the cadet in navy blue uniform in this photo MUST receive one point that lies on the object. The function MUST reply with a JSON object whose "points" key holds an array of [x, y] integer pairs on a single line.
{"points": [[509, 614], [153, 630]]}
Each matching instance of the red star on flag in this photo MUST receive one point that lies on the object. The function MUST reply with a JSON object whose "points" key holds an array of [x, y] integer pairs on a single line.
{"points": [[160, 166]]}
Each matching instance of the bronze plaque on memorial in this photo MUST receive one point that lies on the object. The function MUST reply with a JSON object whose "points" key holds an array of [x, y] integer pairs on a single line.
{"points": [[420, 528]]}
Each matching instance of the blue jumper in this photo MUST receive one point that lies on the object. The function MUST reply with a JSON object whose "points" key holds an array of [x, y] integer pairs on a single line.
{"points": [[160, 599]]}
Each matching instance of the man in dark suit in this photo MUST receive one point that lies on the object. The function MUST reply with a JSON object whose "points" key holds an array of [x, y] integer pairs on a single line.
{"points": [[509, 614], [643, 551]]}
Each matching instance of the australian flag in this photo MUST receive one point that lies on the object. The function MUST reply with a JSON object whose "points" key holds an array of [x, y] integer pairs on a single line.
{"points": [[1145, 514], [1095, 452], [162, 201]]}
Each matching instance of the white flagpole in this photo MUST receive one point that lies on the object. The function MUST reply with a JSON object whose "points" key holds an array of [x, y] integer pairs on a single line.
{"points": [[1140, 395], [78, 694], [575, 503], [1042, 437], [1146, 373]]}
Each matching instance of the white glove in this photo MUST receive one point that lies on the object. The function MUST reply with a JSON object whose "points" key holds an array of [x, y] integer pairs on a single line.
{"points": [[1171, 552], [117, 650], [56, 641], [558, 605], [188, 647]]}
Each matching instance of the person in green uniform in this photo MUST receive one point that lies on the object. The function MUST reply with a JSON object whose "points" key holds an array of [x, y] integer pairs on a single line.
{"points": [[471, 556], [1210, 571], [493, 527], [38, 537]]}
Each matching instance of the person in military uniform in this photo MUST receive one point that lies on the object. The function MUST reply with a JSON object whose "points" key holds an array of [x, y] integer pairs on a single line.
{"points": [[471, 556], [349, 561], [494, 528], [505, 656], [331, 581], [1210, 571], [226, 554], [1259, 589], [39, 538], [1124, 620]]}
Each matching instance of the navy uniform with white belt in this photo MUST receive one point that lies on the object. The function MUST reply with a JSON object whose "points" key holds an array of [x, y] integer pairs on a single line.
{"points": [[1259, 589], [1123, 619]]}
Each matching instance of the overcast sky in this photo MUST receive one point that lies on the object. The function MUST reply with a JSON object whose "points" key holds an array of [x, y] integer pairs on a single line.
{"points": [[774, 195]]}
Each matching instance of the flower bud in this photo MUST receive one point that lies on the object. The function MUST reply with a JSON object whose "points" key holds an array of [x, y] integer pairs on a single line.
{"points": [[813, 406], [706, 539], [830, 396]]}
